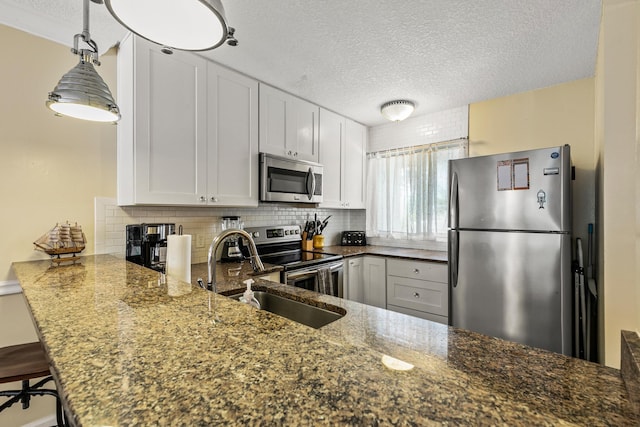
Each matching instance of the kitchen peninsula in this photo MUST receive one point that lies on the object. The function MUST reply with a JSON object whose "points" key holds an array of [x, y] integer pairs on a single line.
{"points": [[127, 349]]}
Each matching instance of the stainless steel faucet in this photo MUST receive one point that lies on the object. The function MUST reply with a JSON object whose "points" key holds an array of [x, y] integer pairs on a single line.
{"points": [[255, 260]]}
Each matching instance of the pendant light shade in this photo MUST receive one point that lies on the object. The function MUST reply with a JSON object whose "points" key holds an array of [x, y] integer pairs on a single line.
{"points": [[397, 110], [81, 93], [178, 24]]}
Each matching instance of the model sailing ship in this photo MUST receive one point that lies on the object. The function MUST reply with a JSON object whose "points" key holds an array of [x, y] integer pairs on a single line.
{"points": [[63, 239]]}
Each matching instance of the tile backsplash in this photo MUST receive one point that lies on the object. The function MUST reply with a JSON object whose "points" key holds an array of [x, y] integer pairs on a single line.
{"points": [[111, 220]]}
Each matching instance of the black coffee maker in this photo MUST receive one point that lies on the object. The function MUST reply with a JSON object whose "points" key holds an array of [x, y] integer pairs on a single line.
{"points": [[147, 244], [231, 251]]}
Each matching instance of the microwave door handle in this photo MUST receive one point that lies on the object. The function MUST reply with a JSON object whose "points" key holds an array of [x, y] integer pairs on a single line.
{"points": [[311, 183]]}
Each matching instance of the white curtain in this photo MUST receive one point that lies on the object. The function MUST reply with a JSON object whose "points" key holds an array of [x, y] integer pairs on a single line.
{"points": [[407, 191]]}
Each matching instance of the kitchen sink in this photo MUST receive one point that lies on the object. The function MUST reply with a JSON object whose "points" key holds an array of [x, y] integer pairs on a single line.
{"points": [[309, 315]]}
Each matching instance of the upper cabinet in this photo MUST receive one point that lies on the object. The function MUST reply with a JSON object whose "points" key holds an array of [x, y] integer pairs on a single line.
{"points": [[189, 130], [232, 138], [288, 125], [342, 153]]}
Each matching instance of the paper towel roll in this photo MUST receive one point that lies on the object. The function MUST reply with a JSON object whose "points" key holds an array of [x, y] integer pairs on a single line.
{"points": [[179, 257]]}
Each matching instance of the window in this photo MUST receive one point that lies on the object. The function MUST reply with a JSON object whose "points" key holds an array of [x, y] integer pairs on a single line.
{"points": [[408, 189]]}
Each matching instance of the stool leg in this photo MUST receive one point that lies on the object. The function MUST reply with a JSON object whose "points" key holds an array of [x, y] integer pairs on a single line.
{"points": [[25, 395]]}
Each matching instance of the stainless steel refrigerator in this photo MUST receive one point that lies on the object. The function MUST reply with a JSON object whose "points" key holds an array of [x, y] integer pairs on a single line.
{"points": [[510, 247]]}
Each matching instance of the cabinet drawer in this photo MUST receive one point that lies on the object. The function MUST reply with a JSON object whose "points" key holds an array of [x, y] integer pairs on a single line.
{"points": [[421, 295], [434, 272]]}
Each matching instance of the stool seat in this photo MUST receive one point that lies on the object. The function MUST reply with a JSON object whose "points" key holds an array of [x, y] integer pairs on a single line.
{"points": [[23, 362]]}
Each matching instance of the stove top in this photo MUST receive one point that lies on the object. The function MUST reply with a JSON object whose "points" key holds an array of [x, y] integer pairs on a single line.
{"points": [[281, 245], [299, 259]]}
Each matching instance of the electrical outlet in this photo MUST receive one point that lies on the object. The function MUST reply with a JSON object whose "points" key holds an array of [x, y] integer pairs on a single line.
{"points": [[199, 241]]}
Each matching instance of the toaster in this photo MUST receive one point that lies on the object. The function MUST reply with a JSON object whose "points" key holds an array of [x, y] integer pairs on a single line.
{"points": [[353, 238]]}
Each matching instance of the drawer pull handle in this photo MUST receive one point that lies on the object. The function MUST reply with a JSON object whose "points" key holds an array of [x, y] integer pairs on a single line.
{"points": [[415, 270], [416, 295]]}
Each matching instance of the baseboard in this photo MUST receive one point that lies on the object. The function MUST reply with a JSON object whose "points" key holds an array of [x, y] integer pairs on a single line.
{"points": [[43, 422], [10, 287]]}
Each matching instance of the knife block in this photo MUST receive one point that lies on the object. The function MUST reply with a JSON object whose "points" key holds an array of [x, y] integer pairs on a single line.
{"points": [[307, 245]]}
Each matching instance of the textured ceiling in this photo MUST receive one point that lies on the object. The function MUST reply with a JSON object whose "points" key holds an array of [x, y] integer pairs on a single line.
{"points": [[352, 56]]}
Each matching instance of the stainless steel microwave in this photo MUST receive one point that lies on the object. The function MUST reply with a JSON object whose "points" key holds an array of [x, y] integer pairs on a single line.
{"points": [[283, 179]]}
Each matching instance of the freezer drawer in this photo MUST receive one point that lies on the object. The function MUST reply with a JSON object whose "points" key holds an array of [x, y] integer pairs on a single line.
{"points": [[512, 285]]}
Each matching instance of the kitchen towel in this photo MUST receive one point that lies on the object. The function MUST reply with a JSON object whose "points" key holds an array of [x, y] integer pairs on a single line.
{"points": [[179, 257], [324, 282]]}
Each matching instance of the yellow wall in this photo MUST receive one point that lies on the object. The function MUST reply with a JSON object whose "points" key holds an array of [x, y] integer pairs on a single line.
{"points": [[618, 171], [51, 168], [558, 115]]}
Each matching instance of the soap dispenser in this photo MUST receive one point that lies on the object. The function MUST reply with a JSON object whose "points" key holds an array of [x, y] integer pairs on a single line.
{"points": [[248, 297]]}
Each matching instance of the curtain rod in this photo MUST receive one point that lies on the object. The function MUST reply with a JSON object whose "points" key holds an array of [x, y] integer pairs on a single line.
{"points": [[390, 152]]}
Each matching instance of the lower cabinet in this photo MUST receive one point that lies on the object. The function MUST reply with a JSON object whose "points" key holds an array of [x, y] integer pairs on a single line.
{"points": [[374, 281], [353, 279], [366, 280], [418, 288]]}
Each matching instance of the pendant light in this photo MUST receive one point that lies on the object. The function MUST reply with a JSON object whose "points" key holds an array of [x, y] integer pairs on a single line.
{"points": [[397, 111], [175, 24], [81, 93]]}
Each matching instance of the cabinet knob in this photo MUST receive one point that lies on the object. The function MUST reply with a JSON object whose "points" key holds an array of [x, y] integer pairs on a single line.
{"points": [[203, 199], [416, 271], [289, 153], [214, 199], [416, 295], [295, 154]]}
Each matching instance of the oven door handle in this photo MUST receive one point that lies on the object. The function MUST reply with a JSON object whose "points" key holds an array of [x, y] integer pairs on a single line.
{"points": [[302, 275], [313, 272]]}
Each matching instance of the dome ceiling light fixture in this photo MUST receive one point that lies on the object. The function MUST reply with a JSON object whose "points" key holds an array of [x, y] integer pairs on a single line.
{"points": [[175, 24], [397, 111], [81, 93]]}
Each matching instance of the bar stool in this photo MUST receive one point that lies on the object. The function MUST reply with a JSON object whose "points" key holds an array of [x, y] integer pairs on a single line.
{"points": [[24, 362]]}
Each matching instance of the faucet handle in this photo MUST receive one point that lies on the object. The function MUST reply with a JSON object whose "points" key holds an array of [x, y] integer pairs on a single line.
{"points": [[208, 287]]}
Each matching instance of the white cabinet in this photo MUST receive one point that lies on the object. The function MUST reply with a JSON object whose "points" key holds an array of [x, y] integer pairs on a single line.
{"points": [[288, 125], [188, 133], [353, 279], [163, 131], [354, 165], [331, 146], [374, 281], [418, 288], [342, 153], [366, 280], [232, 149]]}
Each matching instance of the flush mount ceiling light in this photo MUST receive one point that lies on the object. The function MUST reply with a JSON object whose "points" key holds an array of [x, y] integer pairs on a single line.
{"points": [[81, 93], [176, 24], [397, 110]]}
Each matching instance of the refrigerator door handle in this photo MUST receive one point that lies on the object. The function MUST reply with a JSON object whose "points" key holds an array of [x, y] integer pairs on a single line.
{"points": [[453, 201], [454, 249]]}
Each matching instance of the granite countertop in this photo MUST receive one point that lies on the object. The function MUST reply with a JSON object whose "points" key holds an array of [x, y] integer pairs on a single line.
{"points": [[127, 349], [388, 251]]}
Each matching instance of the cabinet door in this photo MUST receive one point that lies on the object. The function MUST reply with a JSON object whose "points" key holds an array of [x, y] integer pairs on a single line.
{"points": [[169, 138], [374, 281], [354, 279], [304, 115], [354, 165], [232, 138], [273, 121], [330, 145]]}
